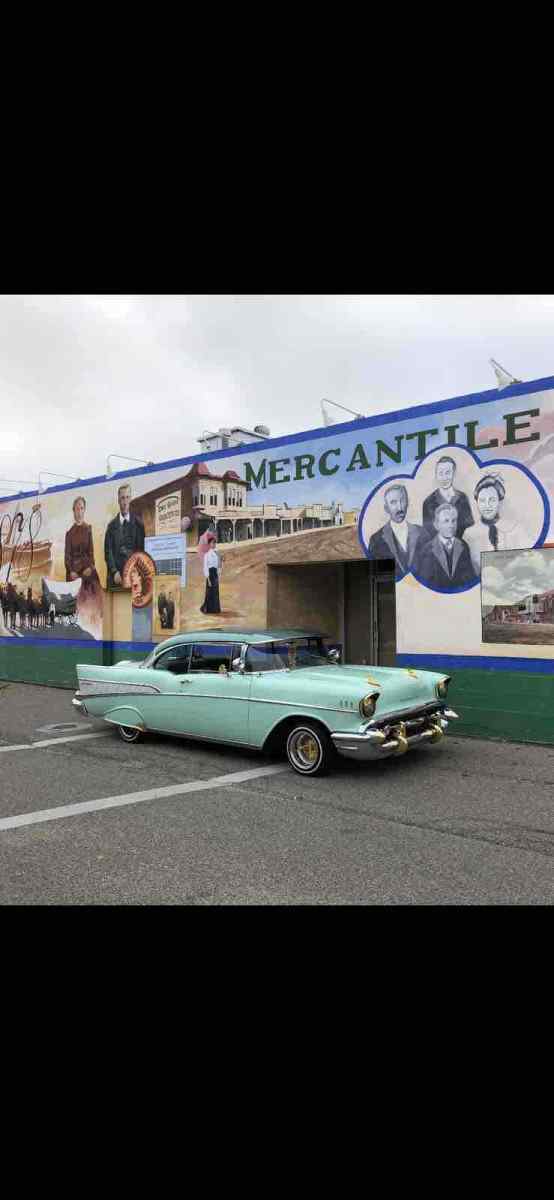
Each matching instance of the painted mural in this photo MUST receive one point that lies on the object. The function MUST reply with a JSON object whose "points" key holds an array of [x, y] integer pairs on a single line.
{"points": [[445, 491]]}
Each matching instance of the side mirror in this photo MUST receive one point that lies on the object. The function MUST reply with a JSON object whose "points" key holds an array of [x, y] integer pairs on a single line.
{"points": [[237, 665], [333, 656]]}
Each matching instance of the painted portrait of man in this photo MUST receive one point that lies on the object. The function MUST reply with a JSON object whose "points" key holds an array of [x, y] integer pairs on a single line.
{"points": [[398, 538], [444, 561], [446, 493], [124, 535]]}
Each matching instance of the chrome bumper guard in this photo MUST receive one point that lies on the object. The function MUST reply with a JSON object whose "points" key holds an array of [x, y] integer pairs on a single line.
{"points": [[78, 704], [394, 738]]}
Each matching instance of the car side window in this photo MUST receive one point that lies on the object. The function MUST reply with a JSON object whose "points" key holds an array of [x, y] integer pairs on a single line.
{"points": [[265, 658], [213, 657], [175, 660]]}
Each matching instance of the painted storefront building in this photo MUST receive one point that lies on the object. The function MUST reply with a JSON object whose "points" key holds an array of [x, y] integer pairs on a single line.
{"points": [[418, 538]]}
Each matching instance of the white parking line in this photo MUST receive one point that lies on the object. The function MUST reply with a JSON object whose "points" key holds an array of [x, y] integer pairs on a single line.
{"points": [[158, 793], [74, 737]]}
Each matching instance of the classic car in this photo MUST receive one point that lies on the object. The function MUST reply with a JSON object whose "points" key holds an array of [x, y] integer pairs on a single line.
{"points": [[274, 690]]}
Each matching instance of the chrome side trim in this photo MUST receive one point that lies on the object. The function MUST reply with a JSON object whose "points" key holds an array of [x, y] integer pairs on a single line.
{"points": [[90, 687], [204, 696], [295, 705], [118, 690], [112, 695], [200, 737]]}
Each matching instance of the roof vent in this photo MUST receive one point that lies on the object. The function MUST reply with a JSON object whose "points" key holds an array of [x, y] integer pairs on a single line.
{"points": [[262, 429]]}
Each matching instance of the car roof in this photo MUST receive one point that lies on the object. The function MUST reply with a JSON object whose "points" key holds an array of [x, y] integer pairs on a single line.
{"points": [[235, 634]]}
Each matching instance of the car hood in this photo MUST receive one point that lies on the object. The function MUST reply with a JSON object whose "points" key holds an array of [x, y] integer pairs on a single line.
{"points": [[397, 686]]}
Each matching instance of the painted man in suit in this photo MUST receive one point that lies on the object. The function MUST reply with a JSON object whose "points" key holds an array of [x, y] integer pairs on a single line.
{"points": [[397, 539], [170, 610], [444, 562], [162, 609], [123, 535], [446, 493]]}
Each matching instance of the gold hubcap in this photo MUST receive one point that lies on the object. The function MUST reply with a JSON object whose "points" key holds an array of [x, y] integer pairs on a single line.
{"points": [[307, 747], [304, 749]]}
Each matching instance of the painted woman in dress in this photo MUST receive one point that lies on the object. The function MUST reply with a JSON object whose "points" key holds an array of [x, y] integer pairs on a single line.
{"points": [[79, 562], [493, 531], [211, 574]]}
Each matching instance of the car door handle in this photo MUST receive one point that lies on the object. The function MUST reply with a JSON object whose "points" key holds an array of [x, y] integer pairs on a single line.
{"points": [[184, 681]]}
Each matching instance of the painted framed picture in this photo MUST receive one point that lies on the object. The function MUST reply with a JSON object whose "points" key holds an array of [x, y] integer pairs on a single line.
{"points": [[517, 597], [166, 605]]}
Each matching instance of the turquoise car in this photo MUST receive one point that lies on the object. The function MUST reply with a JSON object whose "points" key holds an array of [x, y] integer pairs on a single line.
{"points": [[272, 690]]}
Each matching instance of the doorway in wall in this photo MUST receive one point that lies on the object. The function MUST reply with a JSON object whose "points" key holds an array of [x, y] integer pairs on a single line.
{"points": [[352, 602], [370, 613]]}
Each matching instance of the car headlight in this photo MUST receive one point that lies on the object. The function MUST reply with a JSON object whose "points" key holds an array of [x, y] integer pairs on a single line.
{"points": [[367, 705], [441, 688]]}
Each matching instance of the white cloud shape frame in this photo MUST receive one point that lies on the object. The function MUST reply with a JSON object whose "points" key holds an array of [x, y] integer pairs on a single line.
{"points": [[525, 506]]}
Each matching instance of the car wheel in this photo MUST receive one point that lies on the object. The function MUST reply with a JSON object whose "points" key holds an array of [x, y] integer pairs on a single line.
{"points": [[127, 734], [309, 749]]}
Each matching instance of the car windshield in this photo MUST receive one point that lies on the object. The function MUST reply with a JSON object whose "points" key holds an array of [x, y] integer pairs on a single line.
{"points": [[147, 662], [290, 655]]}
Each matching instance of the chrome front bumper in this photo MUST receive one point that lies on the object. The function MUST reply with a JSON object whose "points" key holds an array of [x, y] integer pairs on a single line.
{"points": [[78, 704], [396, 737]]}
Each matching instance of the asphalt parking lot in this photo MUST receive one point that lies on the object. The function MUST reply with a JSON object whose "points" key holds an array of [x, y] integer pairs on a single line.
{"points": [[86, 819]]}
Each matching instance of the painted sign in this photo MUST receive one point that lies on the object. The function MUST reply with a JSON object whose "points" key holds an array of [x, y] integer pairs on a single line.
{"points": [[168, 514], [169, 555]]}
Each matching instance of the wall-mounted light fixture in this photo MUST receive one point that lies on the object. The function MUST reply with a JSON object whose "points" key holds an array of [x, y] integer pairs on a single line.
{"points": [[58, 475], [203, 441], [20, 493], [127, 458], [503, 377], [327, 420]]}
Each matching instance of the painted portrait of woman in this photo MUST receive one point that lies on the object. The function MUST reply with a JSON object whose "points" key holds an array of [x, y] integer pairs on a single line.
{"points": [[79, 562], [492, 531]]}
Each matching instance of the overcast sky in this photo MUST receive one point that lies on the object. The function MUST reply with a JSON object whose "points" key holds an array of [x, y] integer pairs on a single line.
{"points": [[84, 376]]}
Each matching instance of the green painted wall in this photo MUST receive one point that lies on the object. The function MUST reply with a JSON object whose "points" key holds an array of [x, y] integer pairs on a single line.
{"points": [[25, 661], [503, 704]]}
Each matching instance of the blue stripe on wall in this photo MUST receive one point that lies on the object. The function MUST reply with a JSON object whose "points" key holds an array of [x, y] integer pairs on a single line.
{"points": [[80, 643], [469, 662]]}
